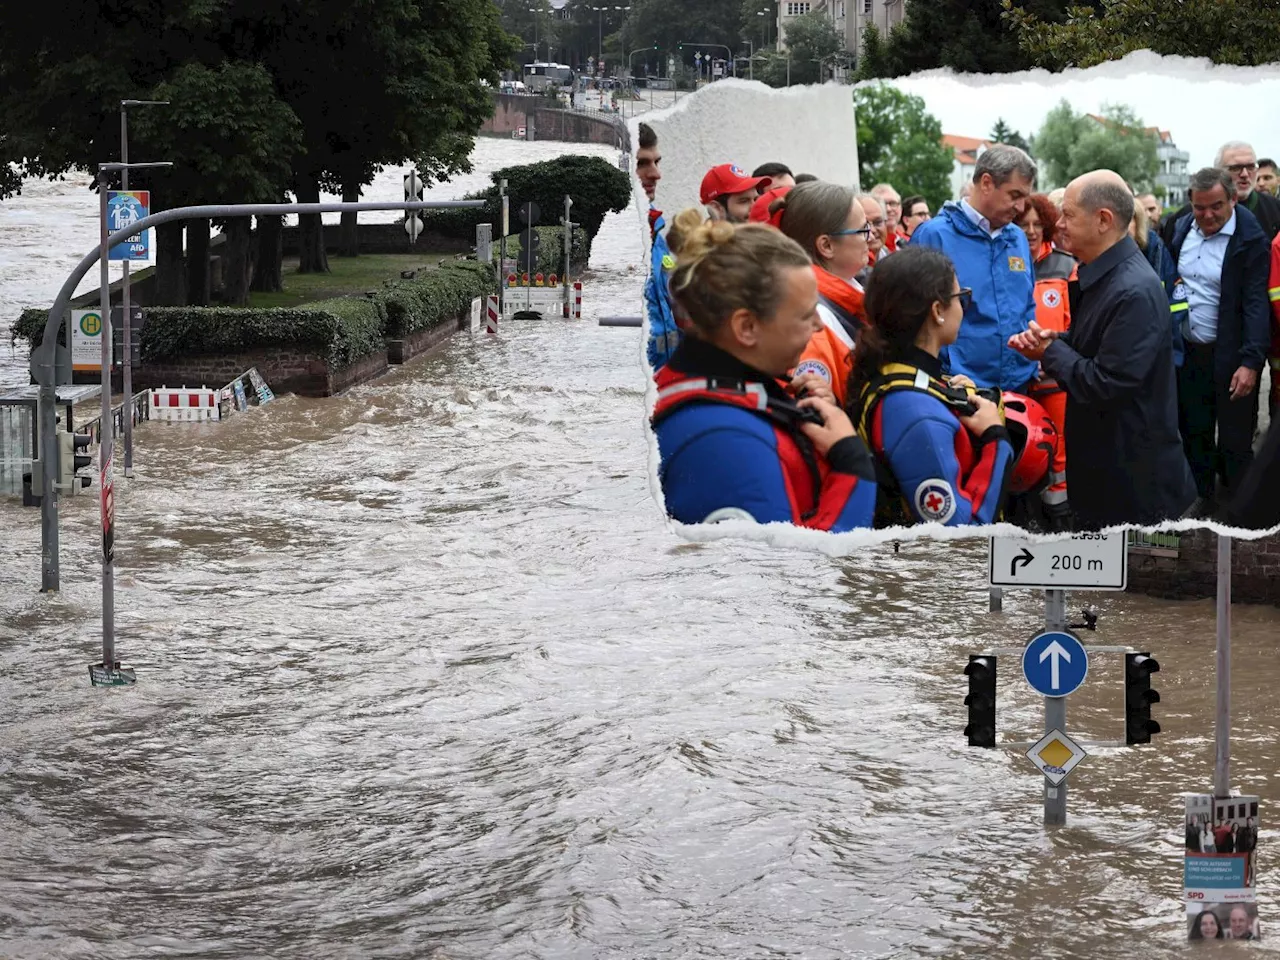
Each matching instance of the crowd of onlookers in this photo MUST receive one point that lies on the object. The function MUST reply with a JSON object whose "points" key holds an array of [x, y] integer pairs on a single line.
{"points": [[1073, 360]]}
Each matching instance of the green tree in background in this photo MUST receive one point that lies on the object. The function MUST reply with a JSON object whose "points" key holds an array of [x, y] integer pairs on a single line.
{"points": [[1003, 133], [874, 60], [811, 39], [1242, 32], [1069, 145], [900, 143], [968, 36]]}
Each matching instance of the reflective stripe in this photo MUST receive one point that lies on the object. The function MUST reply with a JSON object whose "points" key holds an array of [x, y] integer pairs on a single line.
{"points": [[922, 380], [1056, 478], [1274, 292], [1183, 305], [1053, 497], [686, 386]]}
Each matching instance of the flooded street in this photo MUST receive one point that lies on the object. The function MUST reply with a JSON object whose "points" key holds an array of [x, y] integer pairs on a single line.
{"points": [[422, 673]]}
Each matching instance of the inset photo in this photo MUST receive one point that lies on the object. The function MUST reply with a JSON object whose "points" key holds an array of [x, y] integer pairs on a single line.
{"points": [[1223, 921]]}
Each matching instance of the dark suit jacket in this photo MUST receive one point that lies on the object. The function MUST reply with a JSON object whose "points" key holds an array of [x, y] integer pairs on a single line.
{"points": [[1267, 214], [1116, 366], [1244, 312]]}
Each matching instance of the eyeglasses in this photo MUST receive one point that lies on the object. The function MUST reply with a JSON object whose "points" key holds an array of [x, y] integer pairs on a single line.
{"points": [[877, 223], [1242, 167], [966, 297], [861, 231]]}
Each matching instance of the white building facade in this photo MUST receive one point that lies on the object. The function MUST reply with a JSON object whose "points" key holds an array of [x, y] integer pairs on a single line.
{"points": [[850, 17]]}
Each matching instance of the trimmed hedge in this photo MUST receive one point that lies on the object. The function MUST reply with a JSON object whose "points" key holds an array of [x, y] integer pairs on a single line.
{"points": [[342, 330], [596, 186]]}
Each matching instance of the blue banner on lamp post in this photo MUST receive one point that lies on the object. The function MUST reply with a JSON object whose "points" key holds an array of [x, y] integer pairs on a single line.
{"points": [[125, 207]]}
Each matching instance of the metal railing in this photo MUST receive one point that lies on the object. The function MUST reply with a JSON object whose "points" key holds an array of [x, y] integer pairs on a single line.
{"points": [[1156, 543]]}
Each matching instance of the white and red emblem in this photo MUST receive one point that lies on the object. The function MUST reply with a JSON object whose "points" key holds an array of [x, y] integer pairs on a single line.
{"points": [[935, 501], [814, 366], [1051, 298]]}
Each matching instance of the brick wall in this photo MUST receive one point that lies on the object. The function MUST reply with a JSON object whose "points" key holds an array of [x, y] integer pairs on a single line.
{"points": [[512, 111], [1192, 573]]}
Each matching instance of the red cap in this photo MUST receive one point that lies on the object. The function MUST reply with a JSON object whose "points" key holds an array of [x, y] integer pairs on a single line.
{"points": [[760, 209], [727, 180]]}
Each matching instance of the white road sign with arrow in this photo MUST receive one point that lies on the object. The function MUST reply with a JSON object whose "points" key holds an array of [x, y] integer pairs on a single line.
{"points": [[1085, 561]]}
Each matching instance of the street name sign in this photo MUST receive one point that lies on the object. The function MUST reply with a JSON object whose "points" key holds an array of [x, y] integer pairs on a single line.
{"points": [[1085, 561], [1055, 663]]}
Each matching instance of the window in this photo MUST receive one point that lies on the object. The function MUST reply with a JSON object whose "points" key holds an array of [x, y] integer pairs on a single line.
{"points": [[866, 7], [798, 8]]}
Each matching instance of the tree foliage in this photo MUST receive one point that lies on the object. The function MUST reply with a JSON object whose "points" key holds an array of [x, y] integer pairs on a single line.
{"points": [[900, 143], [811, 39], [968, 36], [1242, 33], [1070, 144], [1003, 133]]}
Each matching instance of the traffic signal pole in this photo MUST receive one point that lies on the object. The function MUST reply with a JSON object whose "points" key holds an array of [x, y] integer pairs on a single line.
{"points": [[1222, 758], [1055, 712]]}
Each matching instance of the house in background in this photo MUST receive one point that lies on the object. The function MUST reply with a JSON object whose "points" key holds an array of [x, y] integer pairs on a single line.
{"points": [[966, 151], [1172, 175], [850, 17]]}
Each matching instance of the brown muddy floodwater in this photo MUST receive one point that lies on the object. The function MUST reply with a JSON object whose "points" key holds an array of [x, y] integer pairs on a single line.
{"points": [[422, 673]]}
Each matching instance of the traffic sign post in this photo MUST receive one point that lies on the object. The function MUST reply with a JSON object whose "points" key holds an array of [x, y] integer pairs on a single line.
{"points": [[1055, 707], [1086, 561]]}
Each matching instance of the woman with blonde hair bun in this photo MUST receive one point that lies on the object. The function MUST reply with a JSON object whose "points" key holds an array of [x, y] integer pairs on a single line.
{"points": [[733, 442]]}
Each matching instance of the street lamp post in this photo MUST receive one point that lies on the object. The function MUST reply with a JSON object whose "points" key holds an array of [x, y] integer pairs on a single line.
{"points": [[124, 292], [751, 59], [717, 46], [600, 32], [764, 27]]}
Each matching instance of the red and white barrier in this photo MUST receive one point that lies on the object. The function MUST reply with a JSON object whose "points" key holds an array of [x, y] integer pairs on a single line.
{"points": [[491, 314], [184, 404], [577, 300]]}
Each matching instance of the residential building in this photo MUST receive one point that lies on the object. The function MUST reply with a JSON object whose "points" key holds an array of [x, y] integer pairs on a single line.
{"points": [[1173, 174], [966, 150], [849, 17]]}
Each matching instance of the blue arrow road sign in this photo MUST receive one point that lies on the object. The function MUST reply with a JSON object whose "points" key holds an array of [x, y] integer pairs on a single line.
{"points": [[1055, 663]]}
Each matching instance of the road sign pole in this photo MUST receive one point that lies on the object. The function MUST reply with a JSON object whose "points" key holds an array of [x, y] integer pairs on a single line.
{"points": [[1055, 712], [502, 249], [124, 293], [106, 444], [1222, 759]]}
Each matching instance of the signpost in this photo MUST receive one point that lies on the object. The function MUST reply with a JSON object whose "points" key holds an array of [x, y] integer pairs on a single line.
{"points": [[87, 332], [1055, 663]]}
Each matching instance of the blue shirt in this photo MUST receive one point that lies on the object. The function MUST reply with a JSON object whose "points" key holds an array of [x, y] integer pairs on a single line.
{"points": [[1200, 266]]}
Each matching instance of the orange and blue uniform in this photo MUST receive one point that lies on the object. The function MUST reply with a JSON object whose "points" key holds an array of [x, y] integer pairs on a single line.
{"points": [[1054, 269], [930, 461], [731, 447]]}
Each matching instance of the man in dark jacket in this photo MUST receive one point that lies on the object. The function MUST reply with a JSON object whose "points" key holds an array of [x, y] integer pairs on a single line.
{"points": [[1222, 257], [1116, 364], [1239, 160]]}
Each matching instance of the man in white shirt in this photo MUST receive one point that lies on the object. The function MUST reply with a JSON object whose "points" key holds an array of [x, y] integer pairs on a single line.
{"points": [[1221, 252]]}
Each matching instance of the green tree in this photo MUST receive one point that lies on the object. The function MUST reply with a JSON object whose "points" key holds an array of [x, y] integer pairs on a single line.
{"points": [[969, 36], [810, 40], [900, 143], [669, 23], [1069, 145], [1243, 33], [1003, 133], [874, 59]]}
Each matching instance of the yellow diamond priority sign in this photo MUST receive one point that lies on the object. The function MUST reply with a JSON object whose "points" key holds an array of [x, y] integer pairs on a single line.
{"points": [[1056, 755]]}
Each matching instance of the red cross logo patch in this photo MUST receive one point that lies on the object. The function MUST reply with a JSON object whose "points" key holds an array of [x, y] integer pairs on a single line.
{"points": [[935, 502]]}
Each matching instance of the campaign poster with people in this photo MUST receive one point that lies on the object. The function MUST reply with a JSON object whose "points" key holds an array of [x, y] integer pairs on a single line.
{"points": [[1219, 872]]}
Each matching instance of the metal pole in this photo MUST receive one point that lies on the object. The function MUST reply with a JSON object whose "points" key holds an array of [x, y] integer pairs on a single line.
{"points": [[44, 357], [106, 441], [997, 599], [1055, 712], [568, 233], [502, 250], [124, 293], [1222, 758]]}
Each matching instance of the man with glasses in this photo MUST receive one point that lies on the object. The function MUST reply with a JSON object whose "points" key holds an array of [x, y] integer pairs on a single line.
{"points": [[892, 204], [1115, 363], [1239, 160], [915, 211], [991, 257]]}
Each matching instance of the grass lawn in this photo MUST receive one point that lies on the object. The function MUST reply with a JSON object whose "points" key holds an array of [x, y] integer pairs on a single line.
{"points": [[347, 275]]}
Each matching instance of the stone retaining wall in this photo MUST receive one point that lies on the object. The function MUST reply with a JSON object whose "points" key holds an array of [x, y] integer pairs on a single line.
{"points": [[1190, 572]]}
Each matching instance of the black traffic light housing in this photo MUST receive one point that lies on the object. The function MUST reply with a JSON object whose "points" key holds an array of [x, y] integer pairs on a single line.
{"points": [[1138, 698], [981, 700], [71, 461]]}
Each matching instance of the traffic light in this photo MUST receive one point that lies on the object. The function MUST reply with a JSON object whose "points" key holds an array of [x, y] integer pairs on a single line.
{"points": [[981, 701], [1138, 698], [530, 246], [70, 462]]}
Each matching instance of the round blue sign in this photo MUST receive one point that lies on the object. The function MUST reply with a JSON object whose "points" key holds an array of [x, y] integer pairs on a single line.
{"points": [[1055, 663]]}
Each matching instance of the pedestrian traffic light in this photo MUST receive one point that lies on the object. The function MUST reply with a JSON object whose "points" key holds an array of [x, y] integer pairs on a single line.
{"points": [[1138, 698], [70, 462], [981, 701]]}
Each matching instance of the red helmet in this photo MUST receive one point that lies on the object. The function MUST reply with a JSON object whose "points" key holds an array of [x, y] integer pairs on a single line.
{"points": [[1035, 441]]}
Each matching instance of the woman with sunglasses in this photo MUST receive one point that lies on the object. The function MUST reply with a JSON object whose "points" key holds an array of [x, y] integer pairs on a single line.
{"points": [[831, 227], [943, 449]]}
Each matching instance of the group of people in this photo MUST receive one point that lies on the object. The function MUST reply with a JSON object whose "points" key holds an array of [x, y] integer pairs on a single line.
{"points": [[840, 360], [1240, 925]]}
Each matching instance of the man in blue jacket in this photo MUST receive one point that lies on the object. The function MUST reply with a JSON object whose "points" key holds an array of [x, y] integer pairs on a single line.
{"points": [[1222, 254], [993, 259], [664, 334]]}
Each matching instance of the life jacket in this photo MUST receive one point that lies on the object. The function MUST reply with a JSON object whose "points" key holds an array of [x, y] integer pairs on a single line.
{"points": [[891, 505], [677, 390]]}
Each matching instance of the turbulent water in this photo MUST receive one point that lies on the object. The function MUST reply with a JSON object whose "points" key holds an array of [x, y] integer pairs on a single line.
{"points": [[424, 673]]}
